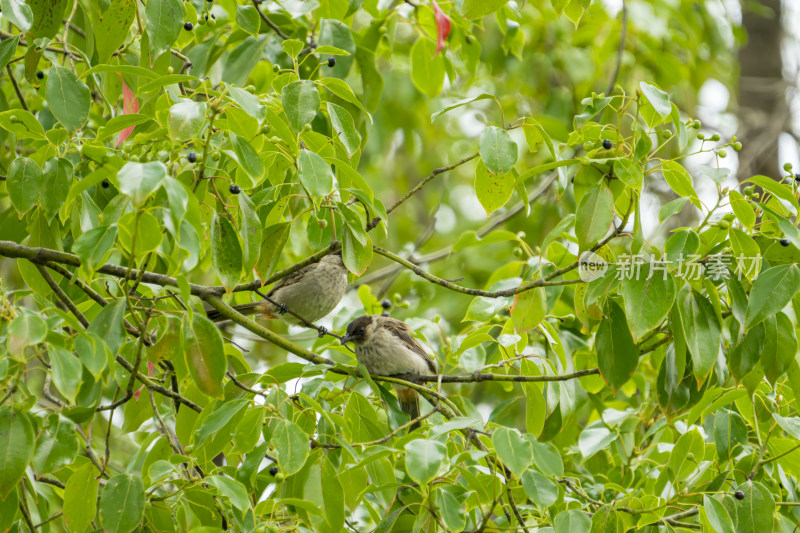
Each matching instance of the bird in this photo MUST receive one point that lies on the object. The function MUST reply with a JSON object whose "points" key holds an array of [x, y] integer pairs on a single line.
{"points": [[384, 345], [311, 293]]}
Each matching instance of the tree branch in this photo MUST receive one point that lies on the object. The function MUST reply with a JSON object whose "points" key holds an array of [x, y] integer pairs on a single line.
{"points": [[269, 23], [435, 172]]}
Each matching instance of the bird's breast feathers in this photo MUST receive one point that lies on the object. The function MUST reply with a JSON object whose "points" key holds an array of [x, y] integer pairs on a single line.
{"points": [[386, 355]]}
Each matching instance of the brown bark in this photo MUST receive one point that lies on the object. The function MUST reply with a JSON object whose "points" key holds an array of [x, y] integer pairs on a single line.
{"points": [[763, 109]]}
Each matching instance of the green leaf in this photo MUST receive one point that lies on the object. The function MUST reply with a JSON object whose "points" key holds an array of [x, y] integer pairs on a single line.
{"points": [[226, 252], [93, 353], [337, 34], [730, 433], [108, 325], [540, 489], [300, 103], [330, 51], [291, 446], [140, 180], [681, 245], [754, 512], [57, 181], [68, 97], [679, 180], [56, 447], [450, 509], [7, 49], [476, 9], [355, 255], [222, 415], [94, 246], [772, 290], [629, 172], [341, 89], [274, 239], [572, 521], [315, 173], [119, 123], [247, 157], [617, 354], [204, 355], [67, 371], [702, 330], [423, 459], [186, 118], [427, 67], [164, 24], [671, 208], [498, 150], [717, 516], [27, 329], [790, 425], [111, 27], [18, 13], [547, 458], [742, 209], [292, 47], [513, 449], [607, 520], [344, 126], [80, 498], [231, 489], [16, 447], [647, 301], [779, 190], [122, 503], [780, 346], [465, 101], [657, 98], [594, 216], [529, 309], [22, 124], [687, 454], [493, 190], [250, 226]]}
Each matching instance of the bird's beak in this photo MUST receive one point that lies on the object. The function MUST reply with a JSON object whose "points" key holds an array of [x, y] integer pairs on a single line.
{"points": [[346, 339]]}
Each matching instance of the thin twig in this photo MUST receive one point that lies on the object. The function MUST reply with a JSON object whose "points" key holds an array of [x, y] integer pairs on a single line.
{"points": [[621, 49], [435, 172], [269, 23], [16, 88]]}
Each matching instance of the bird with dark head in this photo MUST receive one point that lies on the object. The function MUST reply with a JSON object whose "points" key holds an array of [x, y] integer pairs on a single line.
{"points": [[312, 292], [385, 347]]}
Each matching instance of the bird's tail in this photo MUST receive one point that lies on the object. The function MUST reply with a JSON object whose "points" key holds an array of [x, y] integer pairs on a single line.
{"points": [[409, 403], [246, 309]]}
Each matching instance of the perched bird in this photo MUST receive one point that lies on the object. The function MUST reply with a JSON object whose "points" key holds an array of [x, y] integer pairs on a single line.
{"points": [[312, 292], [385, 347]]}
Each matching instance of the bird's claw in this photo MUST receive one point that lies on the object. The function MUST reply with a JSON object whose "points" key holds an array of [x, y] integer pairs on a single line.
{"points": [[282, 309]]}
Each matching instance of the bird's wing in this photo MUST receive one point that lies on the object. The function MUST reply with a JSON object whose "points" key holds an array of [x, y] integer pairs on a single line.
{"points": [[294, 277], [403, 332]]}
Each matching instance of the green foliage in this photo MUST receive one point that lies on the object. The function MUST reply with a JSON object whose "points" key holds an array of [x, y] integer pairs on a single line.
{"points": [[163, 158]]}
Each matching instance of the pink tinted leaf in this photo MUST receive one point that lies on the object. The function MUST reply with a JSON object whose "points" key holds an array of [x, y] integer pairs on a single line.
{"points": [[130, 105], [443, 26]]}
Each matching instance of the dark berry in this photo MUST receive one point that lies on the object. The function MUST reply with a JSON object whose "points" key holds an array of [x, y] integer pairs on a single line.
{"points": [[213, 16], [40, 74], [191, 157], [188, 26], [331, 61], [797, 178], [784, 242], [206, 16], [273, 470], [105, 184], [606, 144], [739, 495], [386, 304], [234, 189]]}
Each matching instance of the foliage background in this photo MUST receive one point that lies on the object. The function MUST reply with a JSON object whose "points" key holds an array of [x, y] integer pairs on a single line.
{"points": [[695, 397]]}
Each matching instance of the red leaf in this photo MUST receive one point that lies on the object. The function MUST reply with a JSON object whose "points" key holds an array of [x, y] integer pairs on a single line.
{"points": [[129, 105], [443, 26]]}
